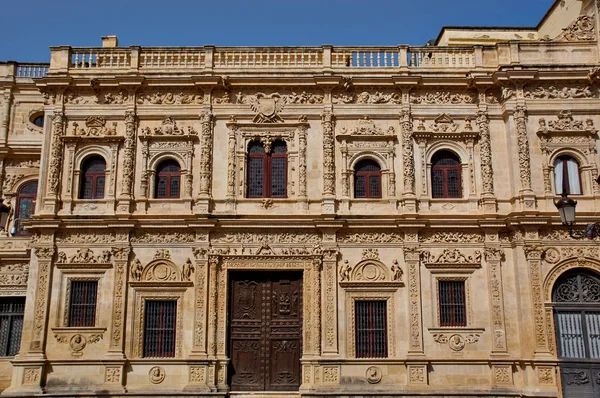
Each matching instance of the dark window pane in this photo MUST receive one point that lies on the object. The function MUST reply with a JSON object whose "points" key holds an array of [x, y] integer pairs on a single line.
{"points": [[11, 325], [371, 329], [437, 183], [92, 178], [99, 187], [159, 331], [445, 175], [278, 147], [168, 166], [39, 121], [161, 187], [453, 184], [255, 177], [256, 148], [278, 172], [359, 187], [452, 303], [174, 189], [86, 187], [374, 187], [25, 205], [367, 166], [82, 304]]}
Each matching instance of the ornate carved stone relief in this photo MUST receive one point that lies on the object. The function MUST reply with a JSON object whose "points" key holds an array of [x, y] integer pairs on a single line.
{"points": [[581, 29], [451, 258], [266, 106], [450, 237], [162, 236], [370, 96], [560, 92], [370, 237], [440, 97], [77, 341], [370, 272], [150, 96], [85, 256], [456, 341], [95, 126]]}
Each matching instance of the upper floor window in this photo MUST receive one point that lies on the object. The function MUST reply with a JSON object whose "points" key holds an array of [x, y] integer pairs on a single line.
{"points": [[92, 178], [452, 303], [25, 205], [39, 121], [168, 180], [445, 175], [566, 176], [267, 172], [11, 325], [367, 179]]}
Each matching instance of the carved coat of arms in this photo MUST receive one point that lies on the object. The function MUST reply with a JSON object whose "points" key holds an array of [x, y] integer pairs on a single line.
{"points": [[267, 107]]}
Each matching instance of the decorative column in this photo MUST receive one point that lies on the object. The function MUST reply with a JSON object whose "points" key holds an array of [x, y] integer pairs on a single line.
{"points": [[119, 301], [213, 327], [408, 161], [201, 297], [493, 257], [6, 98], [330, 345], [485, 151], [328, 122], [526, 193], [206, 145], [42, 299], [534, 262], [412, 260], [55, 164], [124, 202], [231, 167], [317, 266], [302, 183]]}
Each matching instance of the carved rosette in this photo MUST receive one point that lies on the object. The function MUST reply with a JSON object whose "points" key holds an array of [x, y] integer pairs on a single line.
{"points": [[485, 149], [129, 153], [520, 117], [328, 121], [408, 155], [206, 120], [58, 120]]}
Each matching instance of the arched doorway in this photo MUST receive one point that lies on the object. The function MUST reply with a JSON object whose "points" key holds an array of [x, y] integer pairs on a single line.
{"points": [[576, 304]]}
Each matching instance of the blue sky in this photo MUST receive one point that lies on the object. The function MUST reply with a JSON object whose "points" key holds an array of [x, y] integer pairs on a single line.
{"points": [[31, 26]]}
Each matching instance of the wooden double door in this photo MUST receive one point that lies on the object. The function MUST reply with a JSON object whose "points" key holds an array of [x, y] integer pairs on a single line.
{"points": [[265, 331]]}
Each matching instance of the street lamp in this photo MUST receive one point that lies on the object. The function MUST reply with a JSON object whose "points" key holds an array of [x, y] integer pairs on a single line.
{"points": [[566, 209]]}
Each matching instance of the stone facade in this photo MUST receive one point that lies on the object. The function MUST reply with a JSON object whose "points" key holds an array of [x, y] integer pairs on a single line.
{"points": [[507, 110]]}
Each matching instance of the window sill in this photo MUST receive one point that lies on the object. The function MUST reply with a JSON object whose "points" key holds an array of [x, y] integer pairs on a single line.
{"points": [[456, 329]]}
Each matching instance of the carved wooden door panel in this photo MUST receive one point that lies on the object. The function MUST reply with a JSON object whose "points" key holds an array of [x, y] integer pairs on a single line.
{"points": [[265, 331]]}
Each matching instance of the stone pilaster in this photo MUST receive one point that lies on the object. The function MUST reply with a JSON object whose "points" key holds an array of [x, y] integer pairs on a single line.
{"points": [[526, 193], [408, 161], [412, 260], [119, 301], [55, 164], [5, 116], [302, 183], [206, 145], [317, 267], [330, 340], [493, 258], [487, 170], [42, 299], [534, 262], [231, 167], [124, 202], [328, 123], [201, 301]]}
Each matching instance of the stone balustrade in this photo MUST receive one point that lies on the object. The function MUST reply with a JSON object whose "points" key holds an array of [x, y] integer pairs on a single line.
{"points": [[310, 59]]}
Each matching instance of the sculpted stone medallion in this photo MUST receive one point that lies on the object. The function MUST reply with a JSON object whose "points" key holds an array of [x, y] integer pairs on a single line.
{"points": [[373, 375], [156, 375]]}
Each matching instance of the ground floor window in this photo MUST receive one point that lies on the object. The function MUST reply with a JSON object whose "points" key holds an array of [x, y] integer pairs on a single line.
{"points": [[11, 325], [371, 329], [159, 328]]}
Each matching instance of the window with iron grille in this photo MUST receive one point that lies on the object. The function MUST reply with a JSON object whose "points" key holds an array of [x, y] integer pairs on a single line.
{"points": [[267, 172], [451, 296], [159, 328], [82, 303], [371, 329], [93, 178], [168, 180], [445, 175], [367, 179], [11, 325], [566, 176], [25, 205]]}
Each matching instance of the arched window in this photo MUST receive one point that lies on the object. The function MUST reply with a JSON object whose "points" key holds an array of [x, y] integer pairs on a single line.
{"points": [[576, 302], [566, 176], [168, 180], [445, 175], [25, 205], [367, 179], [267, 172], [93, 178]]}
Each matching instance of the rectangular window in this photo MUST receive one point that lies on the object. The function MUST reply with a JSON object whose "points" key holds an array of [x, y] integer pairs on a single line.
{"points": [[451, 296], [82, 303], [159, 329], [371, 329], [11, 325]]}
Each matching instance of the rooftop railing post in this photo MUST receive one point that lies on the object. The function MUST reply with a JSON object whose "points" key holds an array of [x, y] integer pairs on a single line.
{"points": [[60, 59], [403, 56], [209, 62], [327, 50], [134, 64]]}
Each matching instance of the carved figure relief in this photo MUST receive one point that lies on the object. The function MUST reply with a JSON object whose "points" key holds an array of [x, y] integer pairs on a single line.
{"points": [[95, 127], [156, 375], [456, 342], [149, 97]]}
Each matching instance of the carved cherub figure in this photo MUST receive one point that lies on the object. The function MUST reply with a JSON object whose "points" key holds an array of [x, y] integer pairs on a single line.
{"points": [[396, 271]]}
